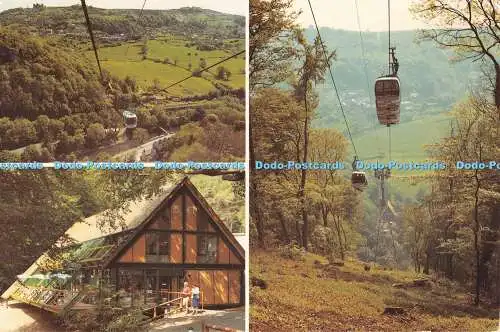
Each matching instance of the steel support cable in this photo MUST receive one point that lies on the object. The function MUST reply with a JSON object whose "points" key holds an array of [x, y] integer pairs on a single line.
{"points": [[365, 69], [390, 142], [91, 33], [363, 53], [389, 31], [138, 21], [333, 80]]}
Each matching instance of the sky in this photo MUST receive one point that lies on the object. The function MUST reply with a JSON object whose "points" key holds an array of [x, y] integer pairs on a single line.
{"points": [[239, 7], [341, 14]]}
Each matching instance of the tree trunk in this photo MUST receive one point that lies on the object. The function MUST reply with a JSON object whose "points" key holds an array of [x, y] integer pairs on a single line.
{"points": [[341, 245], [427, 260], [324, 214], [476, 233], [281, 218], [497, 86], [257, 215], [305, 222]]}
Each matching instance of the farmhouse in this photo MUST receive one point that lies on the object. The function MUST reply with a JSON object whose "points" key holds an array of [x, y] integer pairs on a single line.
{"points": [[165, 241]]}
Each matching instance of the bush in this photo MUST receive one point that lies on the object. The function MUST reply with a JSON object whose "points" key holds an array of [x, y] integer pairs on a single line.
{"points": [[292, 251], [103, 319]]}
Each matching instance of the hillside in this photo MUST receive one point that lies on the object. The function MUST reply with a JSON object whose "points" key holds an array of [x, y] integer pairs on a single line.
{"points": [[316, 296], [54, 105], [70, 21]]}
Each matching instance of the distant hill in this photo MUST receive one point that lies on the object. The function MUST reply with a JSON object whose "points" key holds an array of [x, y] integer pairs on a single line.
{"points": [[70, 20], [430, 82]]}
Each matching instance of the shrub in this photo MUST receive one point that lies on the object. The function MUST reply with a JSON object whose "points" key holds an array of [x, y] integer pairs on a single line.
{"points": [[292, 251]]}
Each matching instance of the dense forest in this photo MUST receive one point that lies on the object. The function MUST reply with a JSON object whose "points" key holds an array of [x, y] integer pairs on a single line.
{"points": [[446, 229]]}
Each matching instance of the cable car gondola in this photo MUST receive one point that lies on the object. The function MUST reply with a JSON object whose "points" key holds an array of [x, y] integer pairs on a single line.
{"points": [[358, 180], [387, 99], [130, 119]]}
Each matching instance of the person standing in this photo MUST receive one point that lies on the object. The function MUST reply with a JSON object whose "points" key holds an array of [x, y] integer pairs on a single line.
{"points": [[195, 302], [186, 294]]}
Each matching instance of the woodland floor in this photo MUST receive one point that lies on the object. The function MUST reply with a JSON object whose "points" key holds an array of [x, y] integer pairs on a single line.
{"points": [[316, 296]]}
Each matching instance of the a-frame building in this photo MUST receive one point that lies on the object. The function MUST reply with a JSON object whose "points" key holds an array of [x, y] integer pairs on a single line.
{"points": [[174, 238]]}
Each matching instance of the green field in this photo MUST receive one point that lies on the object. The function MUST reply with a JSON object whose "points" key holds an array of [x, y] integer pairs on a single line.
{"points": [[127, 60], [408, 143], [408, 140]]}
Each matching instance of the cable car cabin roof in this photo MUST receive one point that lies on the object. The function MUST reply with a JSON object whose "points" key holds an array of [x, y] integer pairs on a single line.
{"points": [[129, 114], [387, 85]]}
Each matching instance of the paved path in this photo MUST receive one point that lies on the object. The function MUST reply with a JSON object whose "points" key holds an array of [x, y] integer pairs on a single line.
{"points": [[20, 317], [226, 318]]}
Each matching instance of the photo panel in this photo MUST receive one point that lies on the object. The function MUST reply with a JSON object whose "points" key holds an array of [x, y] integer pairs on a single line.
{"points": [[143, 250], [100, 81], [374, 165]]}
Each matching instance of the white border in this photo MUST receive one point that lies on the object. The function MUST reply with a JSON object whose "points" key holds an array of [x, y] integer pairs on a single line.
{"points": [[247, 168]]}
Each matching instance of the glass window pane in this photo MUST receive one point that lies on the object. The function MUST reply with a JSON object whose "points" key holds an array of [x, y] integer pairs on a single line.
{"points": [[207, 249]]}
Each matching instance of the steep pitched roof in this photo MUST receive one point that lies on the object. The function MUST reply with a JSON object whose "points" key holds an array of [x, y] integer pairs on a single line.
{"points": [[186, 183], [91, 229]]}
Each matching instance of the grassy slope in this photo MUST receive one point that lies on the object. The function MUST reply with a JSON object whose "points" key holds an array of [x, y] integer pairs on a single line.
{"points": [[126, 60], [303, 297], [408, 139]]}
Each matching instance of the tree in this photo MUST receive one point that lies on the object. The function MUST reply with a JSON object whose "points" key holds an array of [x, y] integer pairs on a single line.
{"points": [[271, 22], [312, 71], [273, 119], [463, 202], [199, 114], [203, 63], [140, 135], [269, 63], [156, 84], [471, 28], [223, 73], [95, 135], [42, 127]]}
